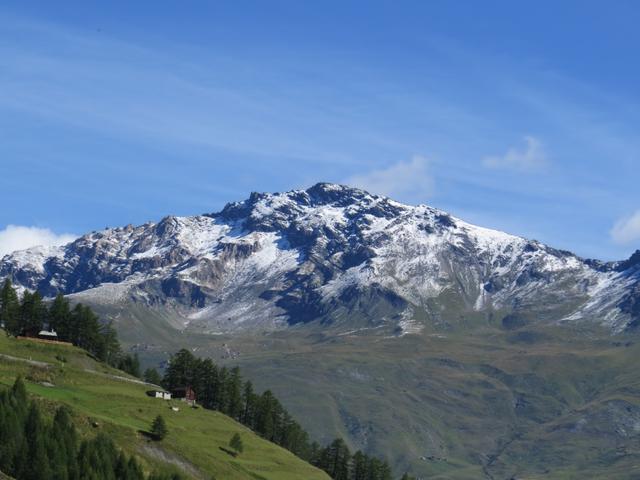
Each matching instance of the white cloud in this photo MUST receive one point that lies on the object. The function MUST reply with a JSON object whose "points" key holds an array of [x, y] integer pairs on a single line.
{"points": [[531, 157], [17, 237], [627, 230], [404, 180]]}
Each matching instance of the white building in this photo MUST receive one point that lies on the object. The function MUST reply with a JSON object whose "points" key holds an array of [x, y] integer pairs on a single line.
{"points": [[163, 395]]}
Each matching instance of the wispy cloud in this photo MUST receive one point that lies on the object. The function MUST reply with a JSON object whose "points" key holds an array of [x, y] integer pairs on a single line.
{"points": [[100, 84], [531, 157], [17, 237], [627, 230], [405, 180]]}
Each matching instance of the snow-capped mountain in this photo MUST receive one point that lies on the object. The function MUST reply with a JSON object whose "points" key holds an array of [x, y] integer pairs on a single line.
{"points": [[331, 254]]}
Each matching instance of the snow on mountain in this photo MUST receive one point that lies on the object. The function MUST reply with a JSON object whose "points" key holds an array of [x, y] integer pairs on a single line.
{"points": [[329, 253]]}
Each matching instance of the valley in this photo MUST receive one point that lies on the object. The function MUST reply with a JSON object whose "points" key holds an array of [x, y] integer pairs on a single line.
{"points": [[458, 404], [448, 349]]}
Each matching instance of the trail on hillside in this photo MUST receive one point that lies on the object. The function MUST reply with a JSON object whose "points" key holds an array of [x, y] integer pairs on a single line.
{"points": [[164, 456], [25, 360], [119, 377]]}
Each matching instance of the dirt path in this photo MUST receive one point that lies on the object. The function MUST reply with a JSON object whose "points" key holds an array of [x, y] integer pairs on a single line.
{"points": [[36, 363], [164, 456], [119, 377], [25, 360]]}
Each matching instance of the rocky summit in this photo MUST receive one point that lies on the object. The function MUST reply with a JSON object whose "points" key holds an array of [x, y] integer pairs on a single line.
{"points": [[332, 255]]}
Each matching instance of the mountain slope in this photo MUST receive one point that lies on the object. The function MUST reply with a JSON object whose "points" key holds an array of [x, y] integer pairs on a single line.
{"points": [[452, 350], [104, 399], [333, 254]]}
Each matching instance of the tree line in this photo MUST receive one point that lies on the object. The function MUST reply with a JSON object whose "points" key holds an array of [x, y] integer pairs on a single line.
{"points": [[79, 325], [224, 389], [32, 448]]}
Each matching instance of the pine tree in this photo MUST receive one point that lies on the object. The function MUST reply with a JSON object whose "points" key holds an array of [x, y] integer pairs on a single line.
{"points": [[35, 463], [59, 316], [236, 443], [221, 403], [109, 348], [234, 394], [135, 366], [359, 466], [337, 460], [265, 421], [206, 383], [10, 309], [159, 428], [65, 439], [385, 471], [130, 364], [180, 370], [19, 391], [85, 329], [121, 468], [249, 404], [33, 312], [151, 375], [12, 416]]}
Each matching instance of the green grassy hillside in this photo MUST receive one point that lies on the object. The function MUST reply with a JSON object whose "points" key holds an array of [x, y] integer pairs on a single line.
{"points": [[104, 399]]}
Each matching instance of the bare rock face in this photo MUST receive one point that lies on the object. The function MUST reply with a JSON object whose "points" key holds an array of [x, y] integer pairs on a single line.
{"points": [[330, 254]]}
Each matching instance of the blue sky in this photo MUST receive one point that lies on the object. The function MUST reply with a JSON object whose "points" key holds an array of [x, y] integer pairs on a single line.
{"points": [[521, 116]]}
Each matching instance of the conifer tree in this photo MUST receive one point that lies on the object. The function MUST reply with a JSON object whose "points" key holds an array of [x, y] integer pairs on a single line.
{"points": [[33, 312], [221, 402], [85, 328], [385, 471], [359, 466], [130, 364], [236, 443], [109, 347], [249, 404], [64, 442], [10, 309], [180, 370], [206, 383], [34, 463], [159, 428], [19, 391], [151, 375], [60, 315], [234, 394]]}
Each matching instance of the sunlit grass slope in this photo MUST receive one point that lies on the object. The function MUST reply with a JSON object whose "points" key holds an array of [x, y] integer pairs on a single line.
{"points": [[102, 402]]}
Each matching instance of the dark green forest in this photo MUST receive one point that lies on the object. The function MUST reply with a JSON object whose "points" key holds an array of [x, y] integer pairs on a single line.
{"points": [[33, 449], [223, 389], [78, 325]]}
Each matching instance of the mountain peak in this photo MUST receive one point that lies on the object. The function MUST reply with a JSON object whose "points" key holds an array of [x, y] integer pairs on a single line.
{"points": [[326, 193], [280, 207], [327, 251], [632, 261]]}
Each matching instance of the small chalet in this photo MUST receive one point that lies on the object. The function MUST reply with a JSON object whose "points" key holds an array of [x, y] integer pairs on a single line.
{"points": [[186, 394], [47, 335], [36, 334], [159, 394]]}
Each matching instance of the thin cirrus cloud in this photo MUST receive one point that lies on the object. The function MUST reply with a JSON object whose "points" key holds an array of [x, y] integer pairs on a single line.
{"points": [[18, 237], [408, 181], [627, 230], [531, 157]]}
